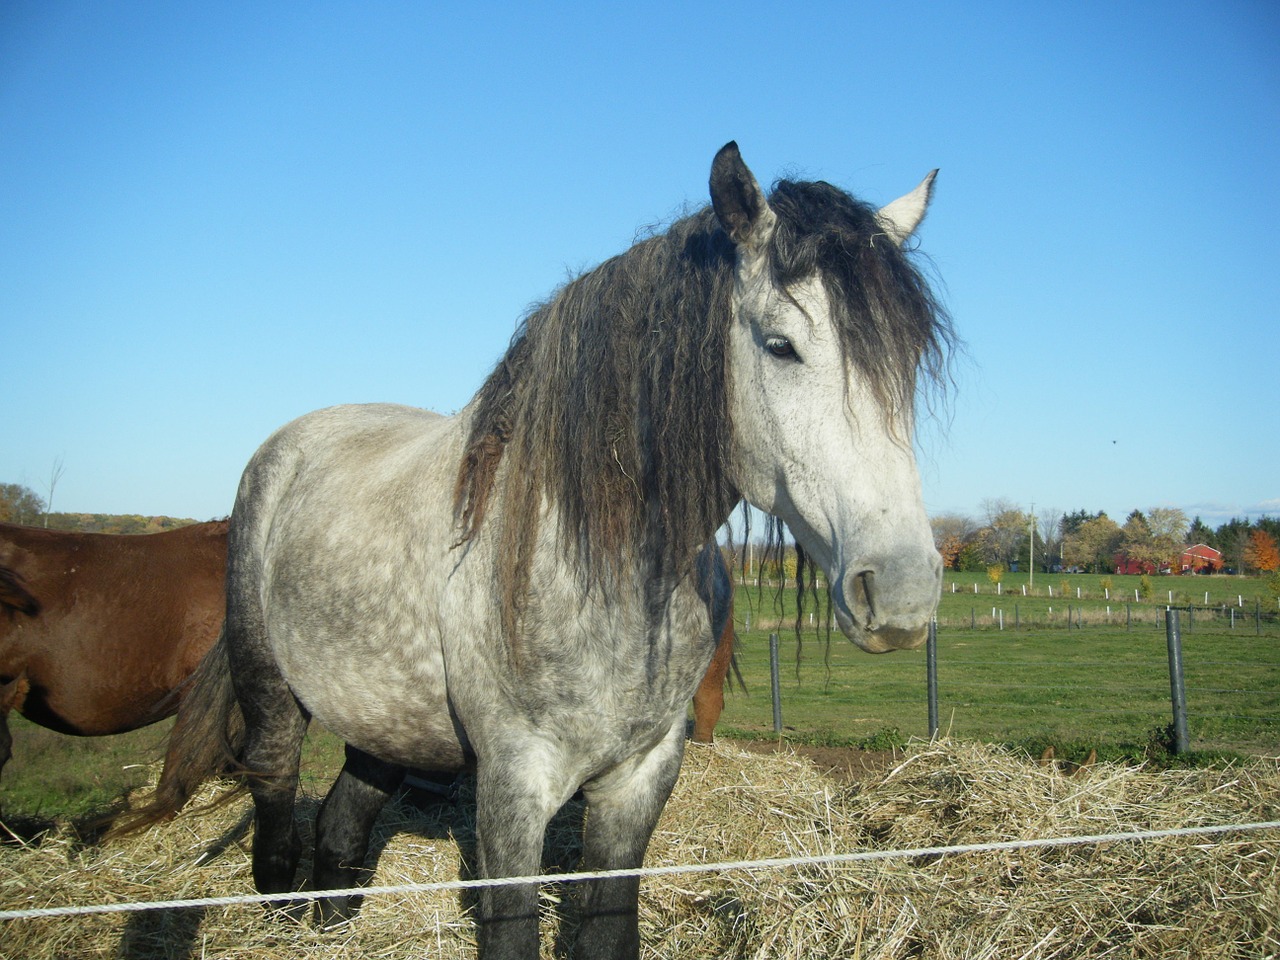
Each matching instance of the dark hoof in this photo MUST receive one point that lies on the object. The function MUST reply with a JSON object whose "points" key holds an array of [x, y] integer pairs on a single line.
{"points": [[334, 912]]}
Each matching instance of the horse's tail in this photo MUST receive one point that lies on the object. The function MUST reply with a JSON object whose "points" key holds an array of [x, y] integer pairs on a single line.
{"points": [[205, 742], [15, 596]]}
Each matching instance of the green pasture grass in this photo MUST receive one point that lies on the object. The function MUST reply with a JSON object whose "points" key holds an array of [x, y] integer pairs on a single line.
{"points": [[1220, 588], [1104, 684], [56, 777], [51, 775]]}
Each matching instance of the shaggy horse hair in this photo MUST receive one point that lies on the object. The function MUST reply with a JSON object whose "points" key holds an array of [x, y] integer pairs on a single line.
{"points": [[611, 401]]}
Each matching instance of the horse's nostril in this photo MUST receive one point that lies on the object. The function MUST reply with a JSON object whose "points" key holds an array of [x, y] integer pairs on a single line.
{"points": [[864, 604]]}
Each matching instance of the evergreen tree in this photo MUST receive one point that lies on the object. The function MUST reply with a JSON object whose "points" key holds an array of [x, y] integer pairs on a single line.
{"points": [[1198, 532]]}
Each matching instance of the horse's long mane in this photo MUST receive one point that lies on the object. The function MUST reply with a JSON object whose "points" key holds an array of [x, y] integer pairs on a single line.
{"points": [[611, 401]]}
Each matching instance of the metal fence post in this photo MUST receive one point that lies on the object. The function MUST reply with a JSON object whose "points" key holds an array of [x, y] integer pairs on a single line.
{"points": [[775, 684], [1177, 689], [931, 665]]}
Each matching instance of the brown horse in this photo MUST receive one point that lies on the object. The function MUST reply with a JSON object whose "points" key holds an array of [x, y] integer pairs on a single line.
{"points": [[99, 631], [708, 701]]}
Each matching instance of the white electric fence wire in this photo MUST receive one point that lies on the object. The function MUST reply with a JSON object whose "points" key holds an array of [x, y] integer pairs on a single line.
{"points": [[677, 870]]}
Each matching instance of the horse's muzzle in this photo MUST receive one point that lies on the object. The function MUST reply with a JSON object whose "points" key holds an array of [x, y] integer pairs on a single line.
{"points": [[888, 606]]}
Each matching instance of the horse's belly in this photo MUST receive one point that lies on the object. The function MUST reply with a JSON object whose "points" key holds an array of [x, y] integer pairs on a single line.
{"points": [[397, 711]]}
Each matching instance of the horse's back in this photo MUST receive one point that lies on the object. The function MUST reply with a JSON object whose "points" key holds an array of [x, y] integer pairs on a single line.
{"points": [[337, 468]]}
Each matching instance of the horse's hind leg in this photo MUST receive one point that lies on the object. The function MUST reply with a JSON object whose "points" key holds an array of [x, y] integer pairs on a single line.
{"points": [[623, 808], [343, 828], [274, 727]]}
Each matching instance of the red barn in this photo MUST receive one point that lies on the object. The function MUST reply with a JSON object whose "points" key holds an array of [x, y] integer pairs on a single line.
{"points": [[1200, 559], [1127, 565]]}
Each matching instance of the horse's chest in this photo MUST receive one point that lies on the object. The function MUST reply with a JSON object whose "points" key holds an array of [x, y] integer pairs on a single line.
{"points": [[596, 676]]}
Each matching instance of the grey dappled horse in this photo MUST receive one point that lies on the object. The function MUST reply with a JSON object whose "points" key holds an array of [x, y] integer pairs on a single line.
{"points": [[527, 586]]}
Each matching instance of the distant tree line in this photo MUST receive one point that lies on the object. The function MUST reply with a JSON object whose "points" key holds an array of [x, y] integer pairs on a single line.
{"points": [[20, 504], [1052, 541], [1004, 536]]}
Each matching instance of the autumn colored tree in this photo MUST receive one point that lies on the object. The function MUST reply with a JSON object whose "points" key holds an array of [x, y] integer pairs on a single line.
{"points": [[970, 557], [1155, 538], [1136, 542], [1093, 544], [1006, 531], [1168, 527], [950, 549], [951, 531], [1262, 552]]}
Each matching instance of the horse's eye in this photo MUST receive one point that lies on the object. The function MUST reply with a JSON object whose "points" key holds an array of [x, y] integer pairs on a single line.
{"points": [[779, 346]]}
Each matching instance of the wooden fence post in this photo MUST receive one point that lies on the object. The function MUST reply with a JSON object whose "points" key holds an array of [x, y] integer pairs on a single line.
{"points": [[775, 684], [931, 669]]}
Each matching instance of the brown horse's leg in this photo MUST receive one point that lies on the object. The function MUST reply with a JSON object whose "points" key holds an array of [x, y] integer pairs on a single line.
{"points": [[12, 695], [708, 702]]}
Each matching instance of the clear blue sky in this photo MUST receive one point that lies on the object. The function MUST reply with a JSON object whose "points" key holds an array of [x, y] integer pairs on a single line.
{"points": [[215, 217]]}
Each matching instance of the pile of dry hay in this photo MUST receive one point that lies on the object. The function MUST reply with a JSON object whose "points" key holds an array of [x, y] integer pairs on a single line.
{"points": [[1183, 897]]}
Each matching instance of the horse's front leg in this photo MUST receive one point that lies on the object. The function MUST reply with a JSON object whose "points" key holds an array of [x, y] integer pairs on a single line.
{"points": [[512, 813], [6, 739], [623, 808], [12, 696]]}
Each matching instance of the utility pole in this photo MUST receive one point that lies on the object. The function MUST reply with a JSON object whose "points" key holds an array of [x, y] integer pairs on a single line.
{"points": [[1031, 560]]}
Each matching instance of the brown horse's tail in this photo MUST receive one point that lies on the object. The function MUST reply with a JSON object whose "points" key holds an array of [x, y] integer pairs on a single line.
{"points": [[14, 596], [205, 742]]}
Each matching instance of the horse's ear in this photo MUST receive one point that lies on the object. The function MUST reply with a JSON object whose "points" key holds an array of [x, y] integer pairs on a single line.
{"points": [[738, 201], [900, 218]]}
